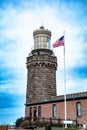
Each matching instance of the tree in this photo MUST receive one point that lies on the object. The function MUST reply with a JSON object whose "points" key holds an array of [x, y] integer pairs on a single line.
{"points": [[18, 122]]}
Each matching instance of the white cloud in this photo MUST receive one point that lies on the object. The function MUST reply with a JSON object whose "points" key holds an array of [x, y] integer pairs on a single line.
{"points": [[73, 87], [18, 24], [16, 86]]}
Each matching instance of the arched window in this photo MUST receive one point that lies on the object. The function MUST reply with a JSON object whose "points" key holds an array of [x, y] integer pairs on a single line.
{"points": [[79, 109], [54, 110], [39, 111], [31, 112], [35, 113]]}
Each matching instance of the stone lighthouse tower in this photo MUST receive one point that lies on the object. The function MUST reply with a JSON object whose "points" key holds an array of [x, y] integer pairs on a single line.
{"points": [[41, 68]]}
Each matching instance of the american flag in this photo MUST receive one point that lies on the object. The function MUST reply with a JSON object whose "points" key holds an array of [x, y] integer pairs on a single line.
{"points": [[59, 42]]}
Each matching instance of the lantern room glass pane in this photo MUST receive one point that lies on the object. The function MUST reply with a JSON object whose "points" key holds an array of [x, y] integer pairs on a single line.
{"points": [[42, 41]]}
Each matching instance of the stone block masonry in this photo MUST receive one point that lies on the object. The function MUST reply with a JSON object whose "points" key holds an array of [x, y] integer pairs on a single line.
{"points": [[41, 83]]}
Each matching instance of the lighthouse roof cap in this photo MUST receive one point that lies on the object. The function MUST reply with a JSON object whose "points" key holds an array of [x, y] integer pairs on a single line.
{"points": [[42, 30]]}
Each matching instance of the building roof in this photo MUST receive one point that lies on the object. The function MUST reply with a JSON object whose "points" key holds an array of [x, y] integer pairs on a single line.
{"points": [[69, 97]]}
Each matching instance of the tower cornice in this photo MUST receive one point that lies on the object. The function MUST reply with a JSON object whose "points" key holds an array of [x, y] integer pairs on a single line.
{"points": [[42, 31]]}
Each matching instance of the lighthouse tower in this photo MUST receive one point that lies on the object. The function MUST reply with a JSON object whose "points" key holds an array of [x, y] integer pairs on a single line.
{"points": [[41, 68]]}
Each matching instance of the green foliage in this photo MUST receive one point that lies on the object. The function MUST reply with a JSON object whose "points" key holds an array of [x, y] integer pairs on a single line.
{"points": [[18, 122], [39, 123], [57, 128], [71, 129], [48, 127], [25, 123]]}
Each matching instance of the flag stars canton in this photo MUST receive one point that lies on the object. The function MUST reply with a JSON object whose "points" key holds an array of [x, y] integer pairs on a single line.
{"points": [[59, 42]]}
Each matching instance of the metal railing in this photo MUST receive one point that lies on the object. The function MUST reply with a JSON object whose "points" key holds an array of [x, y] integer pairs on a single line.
{"points": [[52, 121]]}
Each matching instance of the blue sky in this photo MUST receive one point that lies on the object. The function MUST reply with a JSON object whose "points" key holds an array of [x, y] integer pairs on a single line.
{"points": [[18, 20]]}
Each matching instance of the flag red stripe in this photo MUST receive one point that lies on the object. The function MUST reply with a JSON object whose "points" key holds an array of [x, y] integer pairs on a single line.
{"points": [[59, 42]]}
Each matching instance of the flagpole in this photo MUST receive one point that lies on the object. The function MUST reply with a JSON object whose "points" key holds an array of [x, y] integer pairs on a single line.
{"points": [[61, 42], [65, 85]]}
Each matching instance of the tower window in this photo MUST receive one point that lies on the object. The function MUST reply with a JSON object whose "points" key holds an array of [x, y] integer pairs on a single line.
{"points": [[54, 110], [35, 113], [31, 112], [79, 111], [39, 111]]}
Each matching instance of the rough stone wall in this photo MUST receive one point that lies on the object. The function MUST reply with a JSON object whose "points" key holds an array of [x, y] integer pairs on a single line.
{"points": [[41, 78]]}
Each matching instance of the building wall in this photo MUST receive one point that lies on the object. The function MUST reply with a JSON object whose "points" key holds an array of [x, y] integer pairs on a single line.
{"points": [[83, 119], [46, 110]]}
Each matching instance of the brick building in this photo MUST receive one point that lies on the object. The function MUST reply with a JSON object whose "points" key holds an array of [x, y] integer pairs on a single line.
{"points": [[41, 99]]}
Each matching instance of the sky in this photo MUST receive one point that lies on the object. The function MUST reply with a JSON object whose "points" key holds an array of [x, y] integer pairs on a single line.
{"points": [[18, 20]]}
